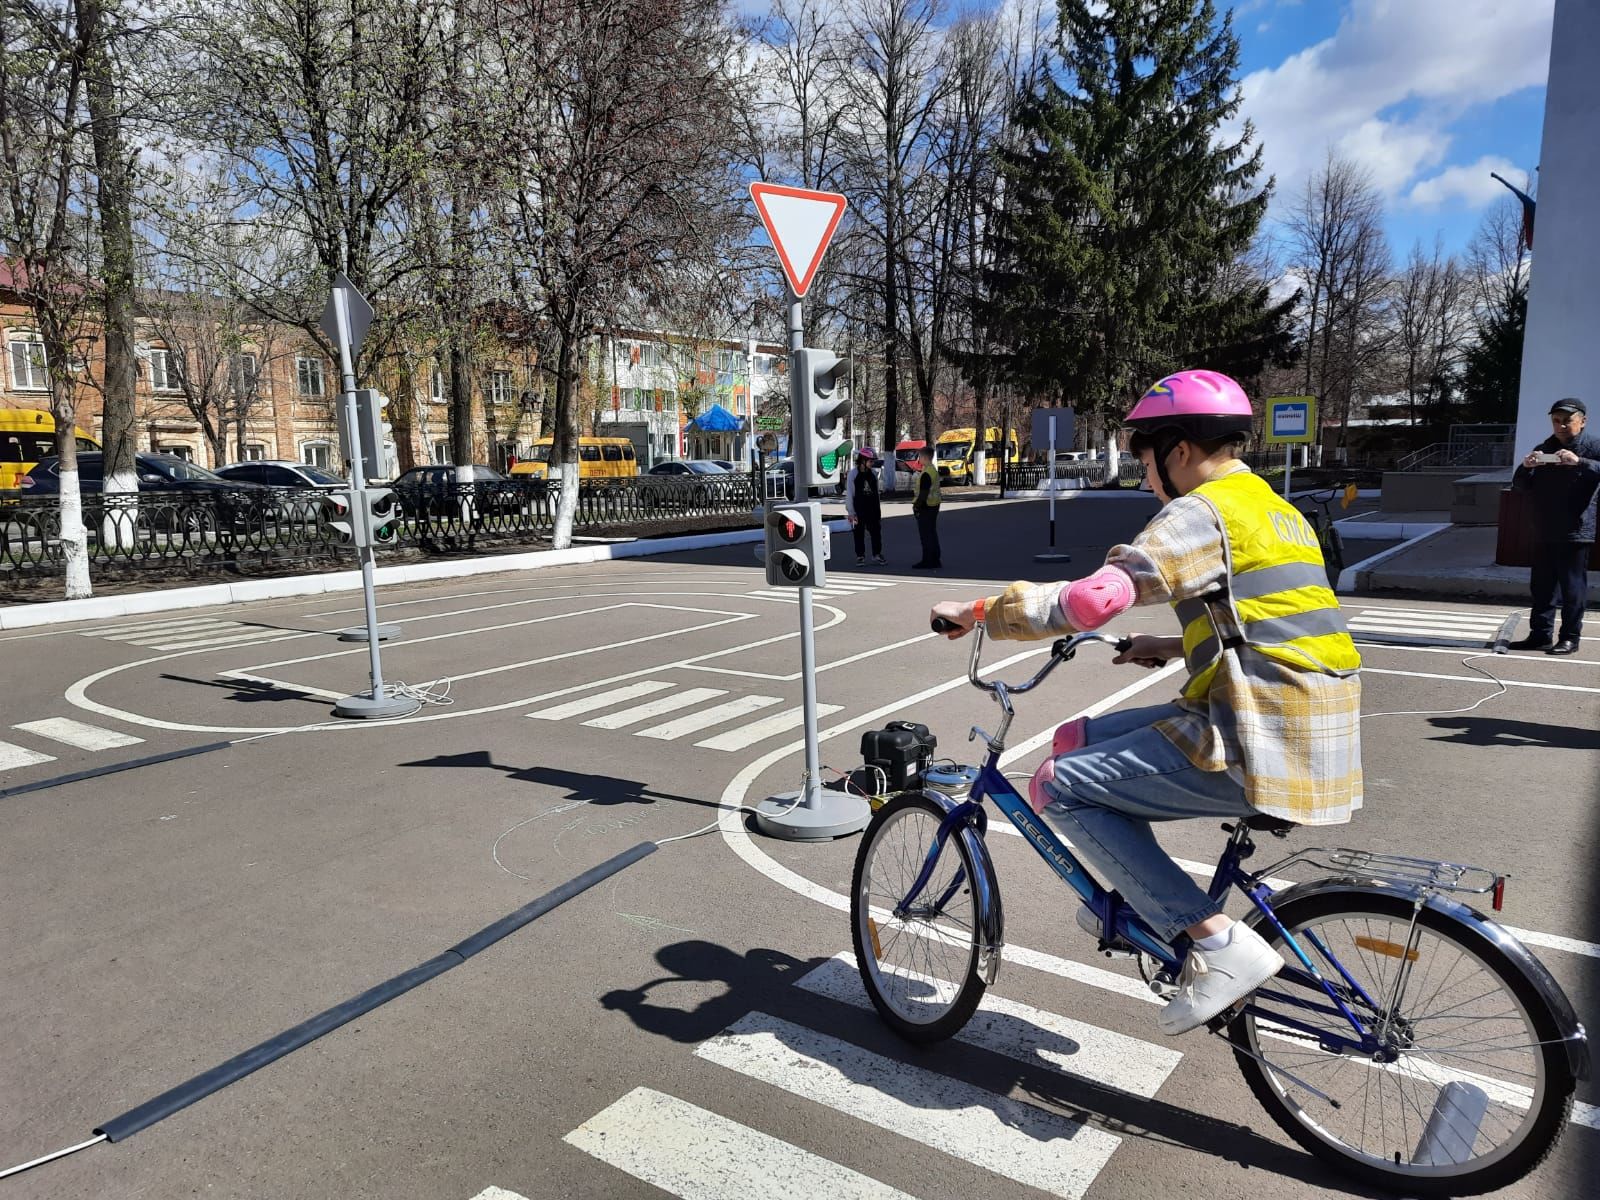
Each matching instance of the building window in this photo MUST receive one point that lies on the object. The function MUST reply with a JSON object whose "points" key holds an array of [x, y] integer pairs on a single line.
{"points": [[436, 391], [316, 454], [177, 450], [254, 452], [245, 373], [500, 387], [308, 371], [164, 368], [441, 454], [28, 369]]}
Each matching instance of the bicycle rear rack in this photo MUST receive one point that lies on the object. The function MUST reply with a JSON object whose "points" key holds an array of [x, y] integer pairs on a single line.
{"points": [[1399, 869]]}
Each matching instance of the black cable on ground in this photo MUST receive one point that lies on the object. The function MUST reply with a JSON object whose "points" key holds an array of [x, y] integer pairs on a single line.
{"points": [[114, 768], [269, 1051]]}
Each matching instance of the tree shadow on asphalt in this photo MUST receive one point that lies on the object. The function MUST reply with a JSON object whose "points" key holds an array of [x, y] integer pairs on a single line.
{"points": [[761, 980], [1497, 731], [247, 691], [598, 790]]}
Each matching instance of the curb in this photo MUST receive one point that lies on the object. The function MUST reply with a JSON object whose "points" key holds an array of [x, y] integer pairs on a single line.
{"points": [[135, 604], [1359, 576]]}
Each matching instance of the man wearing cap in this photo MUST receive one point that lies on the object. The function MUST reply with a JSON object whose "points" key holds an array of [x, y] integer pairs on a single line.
{"points": [[1563, 473], [863, 507]]}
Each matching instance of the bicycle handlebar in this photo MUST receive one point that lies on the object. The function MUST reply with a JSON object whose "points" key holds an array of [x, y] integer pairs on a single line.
{"points": [[1062, 651]]}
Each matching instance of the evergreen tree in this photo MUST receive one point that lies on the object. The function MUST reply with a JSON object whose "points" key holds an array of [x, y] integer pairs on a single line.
{"points": [[1491, 375], [1124, 213]]}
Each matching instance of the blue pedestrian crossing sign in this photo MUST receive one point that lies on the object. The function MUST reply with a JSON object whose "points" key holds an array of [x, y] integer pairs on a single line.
{"points": [[1291, 419]]}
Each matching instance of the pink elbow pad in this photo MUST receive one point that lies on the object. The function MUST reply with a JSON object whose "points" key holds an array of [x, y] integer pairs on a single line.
{"points": [[1092, 601]]}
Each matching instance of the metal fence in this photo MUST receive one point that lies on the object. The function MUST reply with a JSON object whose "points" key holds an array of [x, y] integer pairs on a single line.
{"points": [[1029, 477], [289, 527]]}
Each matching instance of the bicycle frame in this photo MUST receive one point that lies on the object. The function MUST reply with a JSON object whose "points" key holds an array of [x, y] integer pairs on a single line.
{"points": [[1119, 920]]}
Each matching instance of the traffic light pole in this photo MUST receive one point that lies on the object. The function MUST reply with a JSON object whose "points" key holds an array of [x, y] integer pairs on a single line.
{"points": [[813, 813], [378, 703]]}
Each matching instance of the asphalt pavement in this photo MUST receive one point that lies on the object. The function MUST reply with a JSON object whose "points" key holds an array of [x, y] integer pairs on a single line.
{"points": [[692, 1025]]}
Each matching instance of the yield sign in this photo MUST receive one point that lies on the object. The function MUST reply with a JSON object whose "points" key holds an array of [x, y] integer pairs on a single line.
{"points": [[800, 222]]}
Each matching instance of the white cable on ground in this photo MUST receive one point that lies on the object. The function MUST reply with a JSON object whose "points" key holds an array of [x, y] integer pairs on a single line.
{"points": [[1445, 712], [42, 1159]]}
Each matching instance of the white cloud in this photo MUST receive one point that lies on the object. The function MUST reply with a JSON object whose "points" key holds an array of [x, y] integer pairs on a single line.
{"points": [[1437, 58], [1469, 184]]}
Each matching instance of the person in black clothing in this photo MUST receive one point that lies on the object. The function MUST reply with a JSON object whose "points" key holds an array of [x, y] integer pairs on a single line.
{"points": [[1563, 473], [863, 506]]}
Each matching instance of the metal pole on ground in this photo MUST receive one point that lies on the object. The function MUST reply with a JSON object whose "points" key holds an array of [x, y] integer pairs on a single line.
{"points": [[1052, 555]]}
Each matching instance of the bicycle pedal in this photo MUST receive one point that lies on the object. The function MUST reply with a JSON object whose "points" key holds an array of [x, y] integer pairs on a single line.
{"points": [[1118, 950]]}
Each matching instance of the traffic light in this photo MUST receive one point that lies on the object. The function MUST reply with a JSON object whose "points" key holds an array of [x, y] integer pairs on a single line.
{"points": [[795, 546], [819, 411], [341, 518], [382, 512]]}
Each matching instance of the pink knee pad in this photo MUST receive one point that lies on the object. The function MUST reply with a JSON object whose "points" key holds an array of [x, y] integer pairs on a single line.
{"points": [[1093, 600], [1069, 737], [1038, 798]]}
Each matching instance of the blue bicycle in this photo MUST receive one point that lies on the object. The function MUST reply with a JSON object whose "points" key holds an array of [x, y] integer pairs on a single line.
{"points": [[1409, 1040]]}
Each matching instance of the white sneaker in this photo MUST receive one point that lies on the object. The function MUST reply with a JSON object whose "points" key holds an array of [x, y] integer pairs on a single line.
{"points": [[1215, 980]]}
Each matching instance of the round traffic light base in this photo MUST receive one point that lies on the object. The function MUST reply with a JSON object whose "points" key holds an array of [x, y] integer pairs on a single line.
{"points": [[1052, 556], [830, 815], [358, 633], [376, 708]]}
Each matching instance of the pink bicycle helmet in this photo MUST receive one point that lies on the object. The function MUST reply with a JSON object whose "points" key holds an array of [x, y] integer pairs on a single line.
{"points": [[1197, 406]]}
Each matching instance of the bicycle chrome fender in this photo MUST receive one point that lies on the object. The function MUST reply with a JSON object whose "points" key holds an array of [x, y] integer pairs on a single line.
{"points": [[985, 888], [1573, 1034]]}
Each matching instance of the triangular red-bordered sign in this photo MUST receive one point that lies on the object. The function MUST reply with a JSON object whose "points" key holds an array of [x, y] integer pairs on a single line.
{"points": [[800, 223]]}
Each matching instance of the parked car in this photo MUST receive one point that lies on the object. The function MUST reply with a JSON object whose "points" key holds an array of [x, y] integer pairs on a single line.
{"points": [[236, 504], [432, 491], [723, 463], [780, 482], [282, 472], [689, 466]]}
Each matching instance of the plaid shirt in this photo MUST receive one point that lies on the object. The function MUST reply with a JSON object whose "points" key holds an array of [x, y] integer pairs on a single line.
{"points": [[1291, 737]]}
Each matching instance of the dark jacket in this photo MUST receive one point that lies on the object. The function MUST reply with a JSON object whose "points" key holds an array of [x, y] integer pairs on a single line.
{"points": [[1564, 497]]}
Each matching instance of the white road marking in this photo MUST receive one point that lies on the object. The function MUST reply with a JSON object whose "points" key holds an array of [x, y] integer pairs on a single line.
{"points": [[794, 595], [654, 708], [560, 712], [690, 1152], [220, 637], [143, 627], [756, 731], [157, 633], [498, 1193], [304, 689], [1553, 941], [79, 734], [1510, 683], [707, 717], [1030, 1035], [1459, 652], [1040, 1149], [12, 757], [1436, 614]]}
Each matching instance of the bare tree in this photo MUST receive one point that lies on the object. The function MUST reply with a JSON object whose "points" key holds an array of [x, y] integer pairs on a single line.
{"points": [[614, 115], [46, 221], [1430, 317]]}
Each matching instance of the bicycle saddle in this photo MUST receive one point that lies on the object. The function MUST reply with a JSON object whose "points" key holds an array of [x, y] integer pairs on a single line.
{"points": [[1262, 823]]}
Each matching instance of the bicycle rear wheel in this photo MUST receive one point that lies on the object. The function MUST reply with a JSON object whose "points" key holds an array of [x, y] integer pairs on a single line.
{"points": [[920, 967], [1478, 1087]]}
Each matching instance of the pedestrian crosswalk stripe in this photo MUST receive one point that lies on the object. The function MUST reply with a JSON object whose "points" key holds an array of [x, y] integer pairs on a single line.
{"points": [[152, 626], [696, 1154], [653, 708], [707, 717], [258, 635], [1491, 619], [756, 731], [164, 630], [777, 595], [1040, 1149], [632, 691], [79, 734], [498, 1193], [12, 757], [1030, 1035]]}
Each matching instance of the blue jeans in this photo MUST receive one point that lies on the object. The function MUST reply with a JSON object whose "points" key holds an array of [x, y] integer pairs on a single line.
{"points": [[1105, 797]]}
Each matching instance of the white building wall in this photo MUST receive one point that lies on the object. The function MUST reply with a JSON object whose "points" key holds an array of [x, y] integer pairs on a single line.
{"points": [[1558, 355]]}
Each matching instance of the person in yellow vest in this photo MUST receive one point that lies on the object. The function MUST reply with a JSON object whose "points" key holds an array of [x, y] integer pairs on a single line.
{"points": [[925, 508], [1268, 718]]}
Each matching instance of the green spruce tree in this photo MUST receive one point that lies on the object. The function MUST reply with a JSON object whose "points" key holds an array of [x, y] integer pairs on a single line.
{"points": [[1491, 376], [1124, 211]]}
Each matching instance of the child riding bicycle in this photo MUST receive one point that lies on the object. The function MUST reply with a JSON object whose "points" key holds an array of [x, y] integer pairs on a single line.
{"points": [[1268, 720]]}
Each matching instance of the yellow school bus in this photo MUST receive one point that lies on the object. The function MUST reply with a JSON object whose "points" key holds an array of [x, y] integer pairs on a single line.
{"points": [[26, 436], [598, 458], [956, 447]]}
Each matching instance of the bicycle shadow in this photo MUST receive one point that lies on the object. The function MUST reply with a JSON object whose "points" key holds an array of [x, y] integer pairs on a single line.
{"points": [[1032, 1097]]}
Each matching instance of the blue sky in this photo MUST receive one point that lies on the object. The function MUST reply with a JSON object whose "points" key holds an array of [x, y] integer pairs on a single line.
{"points": [[1428, 95]]}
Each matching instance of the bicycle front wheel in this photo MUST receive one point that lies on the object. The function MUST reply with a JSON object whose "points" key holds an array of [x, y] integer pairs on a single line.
{"points": [[919, 962], [1471, 1087]]}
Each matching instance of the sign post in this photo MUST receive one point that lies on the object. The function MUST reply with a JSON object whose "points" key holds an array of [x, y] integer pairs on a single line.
{"points": [[1045, 431], [345, 321], [800, 223], [1292, 421]]}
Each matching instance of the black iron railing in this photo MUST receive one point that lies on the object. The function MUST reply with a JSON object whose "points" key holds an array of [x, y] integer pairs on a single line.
{"points": [[292, 526], [1027, 477]]}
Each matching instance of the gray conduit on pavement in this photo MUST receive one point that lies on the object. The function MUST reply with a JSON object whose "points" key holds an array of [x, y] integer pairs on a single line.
{"points": [[258, 1056]]}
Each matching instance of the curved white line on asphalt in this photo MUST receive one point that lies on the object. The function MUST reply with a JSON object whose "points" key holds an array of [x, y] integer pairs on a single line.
{"points": [[78, 693]]}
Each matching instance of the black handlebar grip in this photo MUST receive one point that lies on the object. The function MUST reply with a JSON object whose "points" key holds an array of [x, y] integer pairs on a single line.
{"points": [[941, 625], [1124, 645]]}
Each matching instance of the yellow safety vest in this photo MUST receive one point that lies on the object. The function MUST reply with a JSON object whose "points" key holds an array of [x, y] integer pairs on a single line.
{"points": [[1277, 601], [933, 487]]}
